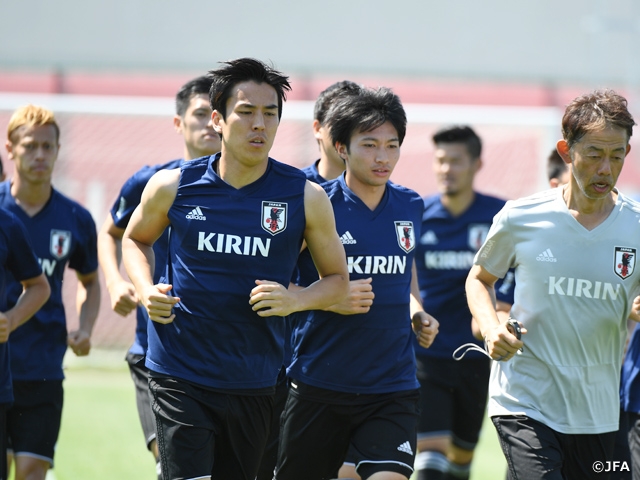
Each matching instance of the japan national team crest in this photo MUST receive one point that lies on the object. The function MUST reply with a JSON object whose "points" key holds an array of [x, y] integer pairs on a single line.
{"points": [[274, 217], [477, 235], [624, 261], [60, 243], [406, 236]]}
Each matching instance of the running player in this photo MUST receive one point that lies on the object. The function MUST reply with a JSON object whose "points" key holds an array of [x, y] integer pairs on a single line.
{"points": [[62, 233], [353, 374], [555, 404], [455, 222], [238, 220], [193, 122], [18, 260], [557, 170]]}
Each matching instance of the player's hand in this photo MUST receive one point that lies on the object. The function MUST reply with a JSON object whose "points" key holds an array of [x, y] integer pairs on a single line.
{"points": [[635, 310], [269, 299], [159, 305], [123, 297], [5, 328], [501, 342], [80, 342], [425, 327], [359, 299]]}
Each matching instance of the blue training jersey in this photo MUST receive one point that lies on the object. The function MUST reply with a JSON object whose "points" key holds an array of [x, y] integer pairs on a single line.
{"points": [[62, 233], [222, 240], [444, 257], [17, 260], [128, 200], [630, 376], [371, 352]]}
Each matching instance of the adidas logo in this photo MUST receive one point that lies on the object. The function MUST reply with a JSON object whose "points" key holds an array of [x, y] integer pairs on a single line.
{"points": [[429, 238], [347, 239], [196, 214], [546, 256], [406, 448]]}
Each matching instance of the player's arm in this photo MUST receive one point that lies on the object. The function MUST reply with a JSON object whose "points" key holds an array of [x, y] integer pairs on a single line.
{"points": [[424, 325], [147, 223], [503, 310], [122, 292], [481, 297], [88, 304], [35, 292], [270, 298]]}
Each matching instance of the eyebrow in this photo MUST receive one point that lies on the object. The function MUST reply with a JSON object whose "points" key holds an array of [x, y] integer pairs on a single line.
{"points": [[598, 149], [251, 105]]}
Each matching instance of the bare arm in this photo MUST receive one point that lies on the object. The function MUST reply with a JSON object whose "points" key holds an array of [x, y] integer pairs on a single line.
{"points": [[424, 325], [501, 343], [147, 223], [270, 298], [122, 293], [88, 304], [503, 309], [35, 293]]}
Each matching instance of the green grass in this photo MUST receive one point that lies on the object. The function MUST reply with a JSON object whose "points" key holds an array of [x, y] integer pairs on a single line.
{"points": [[101, 437]]}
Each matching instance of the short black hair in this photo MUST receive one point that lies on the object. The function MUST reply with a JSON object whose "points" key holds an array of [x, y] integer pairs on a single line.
{"points": [[330, 94], [460, 134], [198, 86], [556, 166], [364, 112], [233, 72]]}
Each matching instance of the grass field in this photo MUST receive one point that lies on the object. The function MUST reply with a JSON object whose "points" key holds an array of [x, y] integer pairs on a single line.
{"points": [[101, 438]]}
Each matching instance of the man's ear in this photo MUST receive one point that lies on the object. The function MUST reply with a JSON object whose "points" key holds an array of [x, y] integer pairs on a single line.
{"points": [[177, 123], [342, 151], [216, 119], [563, 150], [316, 129]]}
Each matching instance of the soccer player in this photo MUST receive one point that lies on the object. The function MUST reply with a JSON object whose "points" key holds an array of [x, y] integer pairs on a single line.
{"points": [[18, 260], [455, 222], [62, 233], [238, 220], [555, 404], [557, 170], [193, 122], [327, 167], [353, 374]]}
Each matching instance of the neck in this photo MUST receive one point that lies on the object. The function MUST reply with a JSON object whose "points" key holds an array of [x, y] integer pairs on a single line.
{"points": [[328, 169], [587, 211], [457, 204], [237, 174], [370, 195], [31, 197]]}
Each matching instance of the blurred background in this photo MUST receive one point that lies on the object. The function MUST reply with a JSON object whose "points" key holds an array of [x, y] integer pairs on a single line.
{"points": [[110, 70]]}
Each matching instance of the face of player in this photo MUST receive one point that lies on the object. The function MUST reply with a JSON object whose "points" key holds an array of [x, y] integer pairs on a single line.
{"points": [[196, 127], [371, 157], [34, 150], [597, 160], [252, 121], [455, 169]]}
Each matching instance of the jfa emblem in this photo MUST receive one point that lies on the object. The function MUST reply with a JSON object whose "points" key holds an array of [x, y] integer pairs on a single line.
{"points": [[477, 235], [624, 262], [274, 217], [406, 236], [60, 243]]}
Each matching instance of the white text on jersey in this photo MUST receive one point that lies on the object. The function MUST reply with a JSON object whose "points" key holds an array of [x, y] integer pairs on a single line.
{"points": [[48, 266], [449, 260], [377, 264], [578, 287], [225, 243]]}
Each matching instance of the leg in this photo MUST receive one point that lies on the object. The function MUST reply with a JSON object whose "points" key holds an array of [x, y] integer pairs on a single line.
{"points": [[3, 442], [270, 456], [633, 435], [314, 436], [348, 469], [33, 425], [582, 451]]}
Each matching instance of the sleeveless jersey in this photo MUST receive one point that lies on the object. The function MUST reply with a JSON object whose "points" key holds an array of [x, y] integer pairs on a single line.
{"points": [[574, 290], [444, 255], [18, 260], [630, 377], [62, 233], [223, 239], [128, 200], [371, 352]]}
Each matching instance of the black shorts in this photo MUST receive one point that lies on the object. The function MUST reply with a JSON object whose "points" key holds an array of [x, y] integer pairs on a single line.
{"points": [[140, 377], [318, 425], [270, 455], [33, 421], [204, 433], [533, 450], [453, 398], [3, 440]]}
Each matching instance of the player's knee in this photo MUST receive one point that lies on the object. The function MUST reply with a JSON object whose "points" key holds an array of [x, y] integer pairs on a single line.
{"points": [[459, 456], [29, 468]]}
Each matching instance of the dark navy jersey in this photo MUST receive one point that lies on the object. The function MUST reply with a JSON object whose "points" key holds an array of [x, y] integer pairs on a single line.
{"points": [[18, 260], [312, 173], [370, 352], [630, 376], [222, 240], [121, 211], [62, 233], [444, 257]]}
